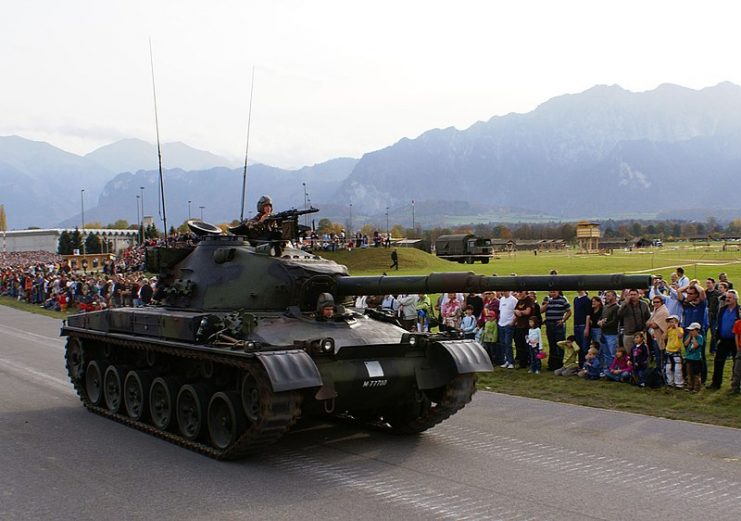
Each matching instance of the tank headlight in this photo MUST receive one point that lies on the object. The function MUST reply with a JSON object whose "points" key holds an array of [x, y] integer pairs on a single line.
{"points": [[412, 339], [327, 345]]}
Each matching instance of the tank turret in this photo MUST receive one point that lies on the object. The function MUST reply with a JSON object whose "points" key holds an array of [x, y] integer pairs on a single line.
{"points": [[249, 334]]}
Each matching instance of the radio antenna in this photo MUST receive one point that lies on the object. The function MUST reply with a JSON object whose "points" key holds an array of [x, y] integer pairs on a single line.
{"points": [[163, 212], [247, 147]]}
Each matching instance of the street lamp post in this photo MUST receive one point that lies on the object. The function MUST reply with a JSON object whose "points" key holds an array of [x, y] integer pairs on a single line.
{"points": [[82, 211], [141, 223], [137, 220], [189, 210], [306, 198], [349, 224], [413, 228], [387, 222], [201, 207]]}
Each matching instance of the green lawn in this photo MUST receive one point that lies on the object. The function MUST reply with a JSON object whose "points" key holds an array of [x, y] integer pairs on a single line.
{"points": [[714, 407]]}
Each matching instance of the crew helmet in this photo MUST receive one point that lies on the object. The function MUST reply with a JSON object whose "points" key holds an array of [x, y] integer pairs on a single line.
{"points": [[324, 300], [265, 199]]}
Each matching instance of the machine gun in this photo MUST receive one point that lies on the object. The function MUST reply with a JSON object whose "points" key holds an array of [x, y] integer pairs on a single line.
{"points": [[275, 229]]}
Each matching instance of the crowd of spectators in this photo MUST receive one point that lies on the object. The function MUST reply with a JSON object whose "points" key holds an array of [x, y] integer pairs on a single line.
{"points": [[661, 336], [48, 280], [655, 337]]}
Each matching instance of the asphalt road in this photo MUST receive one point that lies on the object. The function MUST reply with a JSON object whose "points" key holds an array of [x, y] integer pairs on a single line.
{"points": [[501, 457]]}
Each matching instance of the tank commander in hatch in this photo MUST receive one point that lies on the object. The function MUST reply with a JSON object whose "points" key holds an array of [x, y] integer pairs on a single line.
{"points": [[325, 307], [260, 222]]}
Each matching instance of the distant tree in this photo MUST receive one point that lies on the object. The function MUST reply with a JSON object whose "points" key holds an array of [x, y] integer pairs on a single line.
{"points": [[121, 224], [567, 232], [94, 225], [151, 232], [64, 247], [505, 232], [397, 230], [92, 243], [3, 219], [651, 230], [324, 226], [636, 230], [368, 229], [76, 239], [183, 228], [676, 230]]}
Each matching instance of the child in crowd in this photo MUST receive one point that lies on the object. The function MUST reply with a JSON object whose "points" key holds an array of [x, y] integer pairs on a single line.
{"points": [[591, 369], [533, 340], [468, 323], [639, 357], [693, 345], [673, 358], [621, 368], [570, 357]]}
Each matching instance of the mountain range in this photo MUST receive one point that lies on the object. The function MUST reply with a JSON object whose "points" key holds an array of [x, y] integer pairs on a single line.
{"points": [[605, 152]]}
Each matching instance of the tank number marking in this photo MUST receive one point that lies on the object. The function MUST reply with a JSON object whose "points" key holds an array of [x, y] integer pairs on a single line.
{"points": [[375, 383], [374, 369]]}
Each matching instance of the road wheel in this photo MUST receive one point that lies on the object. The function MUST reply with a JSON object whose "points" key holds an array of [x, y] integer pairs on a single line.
{"points": [[94, 381], [136, 391], [191, 407], [162, 401], [113, 387], [226, 420]]}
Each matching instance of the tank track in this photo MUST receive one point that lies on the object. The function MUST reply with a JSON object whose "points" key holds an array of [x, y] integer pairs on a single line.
{"points": [[418, 417], [284, 408]]}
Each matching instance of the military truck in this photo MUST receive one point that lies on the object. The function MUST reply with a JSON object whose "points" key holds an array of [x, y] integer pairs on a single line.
{"points": [[464, 247]]}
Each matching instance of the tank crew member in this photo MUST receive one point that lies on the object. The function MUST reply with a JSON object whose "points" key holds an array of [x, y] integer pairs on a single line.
{"points": [[260, 222], [325, 307]]}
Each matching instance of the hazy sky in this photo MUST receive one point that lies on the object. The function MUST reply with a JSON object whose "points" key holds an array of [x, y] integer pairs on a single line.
{"points": [[334, 78]]}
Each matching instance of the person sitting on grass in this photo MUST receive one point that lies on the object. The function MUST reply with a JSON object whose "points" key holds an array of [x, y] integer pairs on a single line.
{"points": [[621, 367], [570, 357], [693, 345], [639, 357], [591, 370], [533, 340]]}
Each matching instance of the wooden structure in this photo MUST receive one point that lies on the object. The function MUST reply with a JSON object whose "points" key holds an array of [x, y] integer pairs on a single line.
{"points": [[588, 237]]}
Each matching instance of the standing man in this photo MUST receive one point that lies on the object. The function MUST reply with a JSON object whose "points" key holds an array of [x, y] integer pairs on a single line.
{"points": [[609, 325], [582, 309], [634, 314], [557, 311], [395, 260], [711, 296], [725, 338], [523, 312], [695, 311], [682, 279], [507, 305]]}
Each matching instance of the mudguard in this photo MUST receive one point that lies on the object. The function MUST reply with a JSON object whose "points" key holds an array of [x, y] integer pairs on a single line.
{"points": [[468, 355], [446, 358], [289, 370]]}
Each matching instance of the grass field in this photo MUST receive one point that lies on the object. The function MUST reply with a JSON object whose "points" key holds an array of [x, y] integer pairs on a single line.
{"points": [[714, 407], [699, 262]]}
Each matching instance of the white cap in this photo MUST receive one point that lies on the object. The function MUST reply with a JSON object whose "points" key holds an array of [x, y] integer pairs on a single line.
{"points": [[694, 325], [675, 317]]}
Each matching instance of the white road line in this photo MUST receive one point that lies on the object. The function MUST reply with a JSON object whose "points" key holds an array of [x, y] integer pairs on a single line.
{"points": [[33, 337], [26, 372]]}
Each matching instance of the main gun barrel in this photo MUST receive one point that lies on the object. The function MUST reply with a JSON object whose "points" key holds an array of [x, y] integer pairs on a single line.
{"points": [[473, 283]]}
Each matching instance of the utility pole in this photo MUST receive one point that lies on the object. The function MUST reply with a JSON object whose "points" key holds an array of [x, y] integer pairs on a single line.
{"points": [[189, 210], [141, 224], [306, 197], [137, 219], [387, 221], [349, 231], [82, 207], [413, 228], [201, 207]]}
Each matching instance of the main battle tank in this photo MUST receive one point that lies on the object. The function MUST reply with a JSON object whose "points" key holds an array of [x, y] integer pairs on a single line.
{"points": [[235, 352]]}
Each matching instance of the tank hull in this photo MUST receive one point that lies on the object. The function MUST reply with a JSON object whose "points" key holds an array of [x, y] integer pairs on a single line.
{"points": [[406, 383]]}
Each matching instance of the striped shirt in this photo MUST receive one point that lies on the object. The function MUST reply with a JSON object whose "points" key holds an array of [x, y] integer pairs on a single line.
{"points": [[557, 308]]}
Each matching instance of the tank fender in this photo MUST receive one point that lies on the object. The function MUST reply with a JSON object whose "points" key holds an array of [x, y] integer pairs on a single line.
{"points": [[446, 358], [289, 370], [468, 355]]}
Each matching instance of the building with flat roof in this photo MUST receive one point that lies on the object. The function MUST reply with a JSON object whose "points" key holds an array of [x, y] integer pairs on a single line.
{"points": [[48, 239]]}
